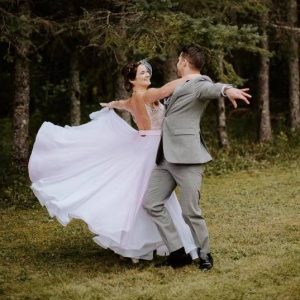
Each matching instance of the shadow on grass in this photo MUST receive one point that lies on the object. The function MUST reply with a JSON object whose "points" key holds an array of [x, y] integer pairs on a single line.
{"points": [[73, 255]]}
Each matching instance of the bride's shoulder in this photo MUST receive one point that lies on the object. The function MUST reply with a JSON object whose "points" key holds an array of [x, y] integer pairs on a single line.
{"points": [[151, 89]]}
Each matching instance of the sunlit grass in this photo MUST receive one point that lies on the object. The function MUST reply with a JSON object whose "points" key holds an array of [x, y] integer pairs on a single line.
{"points": [[253, 218]]}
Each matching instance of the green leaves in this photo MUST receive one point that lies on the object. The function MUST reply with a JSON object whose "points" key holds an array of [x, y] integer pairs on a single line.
{"points": [[147, 28], [153, 7]]}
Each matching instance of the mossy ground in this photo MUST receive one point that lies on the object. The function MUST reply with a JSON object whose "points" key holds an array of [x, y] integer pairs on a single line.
{"points": [[253, 218]]}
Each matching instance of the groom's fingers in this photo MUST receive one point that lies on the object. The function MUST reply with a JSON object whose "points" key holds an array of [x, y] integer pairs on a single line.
{"points": [[246, 94], [238, 94], [245, 99], [233, 102]]}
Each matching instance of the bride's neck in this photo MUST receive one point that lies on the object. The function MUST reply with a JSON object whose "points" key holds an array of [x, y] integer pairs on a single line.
{"points": [[137, 91]]}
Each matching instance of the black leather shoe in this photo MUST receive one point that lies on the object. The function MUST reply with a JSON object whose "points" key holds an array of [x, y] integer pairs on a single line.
{"points": [[176, 259], [207, 263]]}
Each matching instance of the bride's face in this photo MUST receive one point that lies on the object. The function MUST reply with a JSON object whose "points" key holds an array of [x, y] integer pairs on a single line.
{"points": [[142, 78]]}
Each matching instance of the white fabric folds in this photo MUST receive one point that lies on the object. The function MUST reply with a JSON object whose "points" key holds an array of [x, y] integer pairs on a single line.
{"points": [[98, 172]]}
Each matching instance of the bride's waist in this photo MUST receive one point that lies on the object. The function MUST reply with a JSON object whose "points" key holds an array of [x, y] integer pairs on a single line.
{"points": [[150, 132]]}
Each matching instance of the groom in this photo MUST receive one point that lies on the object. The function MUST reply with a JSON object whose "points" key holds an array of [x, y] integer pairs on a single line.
{"points": [[182, 156]]}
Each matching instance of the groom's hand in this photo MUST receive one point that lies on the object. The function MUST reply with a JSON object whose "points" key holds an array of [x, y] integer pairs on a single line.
{"points": [[234, 94]]}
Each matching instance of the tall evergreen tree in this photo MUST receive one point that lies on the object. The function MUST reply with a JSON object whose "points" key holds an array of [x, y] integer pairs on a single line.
{"points": [[74, 88], [221, 113], [293, 62], [265, 131], [22, 48]]}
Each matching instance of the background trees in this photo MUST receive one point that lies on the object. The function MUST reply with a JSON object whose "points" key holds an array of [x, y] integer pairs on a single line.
{"points": [[293, 62], [58, 59]]}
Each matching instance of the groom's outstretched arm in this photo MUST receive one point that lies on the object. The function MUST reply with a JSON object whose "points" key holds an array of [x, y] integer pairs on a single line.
{"points": [[206, 89]]}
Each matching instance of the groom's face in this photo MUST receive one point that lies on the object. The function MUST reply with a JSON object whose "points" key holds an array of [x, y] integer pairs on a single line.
{"points": [[180, 65]]}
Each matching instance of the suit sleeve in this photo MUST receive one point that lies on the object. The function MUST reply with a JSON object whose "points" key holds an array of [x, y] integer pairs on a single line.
{"points": [[206, 89]]}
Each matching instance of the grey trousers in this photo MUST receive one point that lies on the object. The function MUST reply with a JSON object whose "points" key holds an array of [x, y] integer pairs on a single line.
{"points": [[164, 179]]}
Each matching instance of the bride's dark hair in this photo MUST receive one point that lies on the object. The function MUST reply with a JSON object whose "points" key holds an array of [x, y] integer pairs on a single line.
{"points": [[129, 73]]}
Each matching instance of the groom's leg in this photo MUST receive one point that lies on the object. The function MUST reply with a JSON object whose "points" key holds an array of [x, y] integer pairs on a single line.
{"points": [[188, 178], [160, 187]]}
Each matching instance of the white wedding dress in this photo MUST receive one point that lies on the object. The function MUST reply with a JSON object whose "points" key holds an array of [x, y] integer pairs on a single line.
{"points": [[98, 172]]}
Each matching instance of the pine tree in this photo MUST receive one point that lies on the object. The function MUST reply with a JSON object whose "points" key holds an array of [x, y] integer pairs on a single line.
{"points": [[293, 62], [265, 131], [22, 88]]}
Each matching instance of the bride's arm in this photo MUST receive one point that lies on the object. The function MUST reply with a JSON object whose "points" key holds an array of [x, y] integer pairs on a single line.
{"points": [[151, 95], [156, 94], [120, 104], [137, 109]]}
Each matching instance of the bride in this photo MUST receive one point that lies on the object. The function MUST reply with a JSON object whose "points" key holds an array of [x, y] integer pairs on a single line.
{"points": [[98, 172]]}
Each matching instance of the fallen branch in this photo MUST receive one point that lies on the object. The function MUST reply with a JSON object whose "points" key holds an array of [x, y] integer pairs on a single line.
{"points": [[295, 30]]}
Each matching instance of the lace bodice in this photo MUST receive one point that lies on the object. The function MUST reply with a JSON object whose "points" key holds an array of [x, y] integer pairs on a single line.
{"points": [[156, 115]]}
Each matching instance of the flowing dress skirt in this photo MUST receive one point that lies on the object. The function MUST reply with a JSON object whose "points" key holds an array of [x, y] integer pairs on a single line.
{"points": [[98, 172]]}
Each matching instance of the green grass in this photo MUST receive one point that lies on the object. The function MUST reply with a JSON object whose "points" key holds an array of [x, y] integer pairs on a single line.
{"points": [[253, 218]]}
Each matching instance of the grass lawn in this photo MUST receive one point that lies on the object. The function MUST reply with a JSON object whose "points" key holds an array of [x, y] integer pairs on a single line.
{"points": [[253, 219]]}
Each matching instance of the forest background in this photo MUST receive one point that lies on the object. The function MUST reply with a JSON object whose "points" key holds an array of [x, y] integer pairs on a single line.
{"points": [[59, 59]]}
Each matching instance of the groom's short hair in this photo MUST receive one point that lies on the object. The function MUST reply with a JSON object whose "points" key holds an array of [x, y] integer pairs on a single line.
{"points": [[194, 55]]}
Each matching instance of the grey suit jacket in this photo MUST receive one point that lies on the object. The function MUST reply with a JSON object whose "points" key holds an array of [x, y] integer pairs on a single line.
{"points": [[181, 132]]}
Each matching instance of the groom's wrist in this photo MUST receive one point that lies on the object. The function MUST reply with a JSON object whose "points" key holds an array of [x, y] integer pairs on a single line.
{"points": [[224, 88]]}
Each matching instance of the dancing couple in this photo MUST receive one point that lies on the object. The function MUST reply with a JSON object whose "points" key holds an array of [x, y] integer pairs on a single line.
{"points": [[120, 181]]}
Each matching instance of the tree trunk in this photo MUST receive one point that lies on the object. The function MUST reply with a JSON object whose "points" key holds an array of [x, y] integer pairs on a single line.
{"points": [[74, 89], [170, 69], [293, 62], [21, 107], [265, 130], [222, 132], [21, 101], [122, 60], [121, 92]]}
